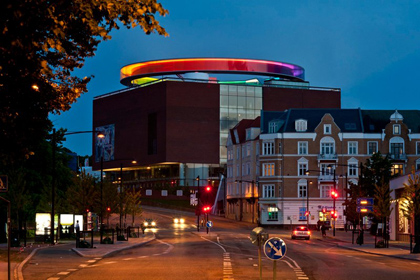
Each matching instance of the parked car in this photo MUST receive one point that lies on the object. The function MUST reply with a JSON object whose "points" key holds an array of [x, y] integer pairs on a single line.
{"points": [[301, 232]]}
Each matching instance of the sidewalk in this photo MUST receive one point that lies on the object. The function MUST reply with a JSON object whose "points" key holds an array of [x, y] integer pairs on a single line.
{"points": [[343, 239], [98, 251]]}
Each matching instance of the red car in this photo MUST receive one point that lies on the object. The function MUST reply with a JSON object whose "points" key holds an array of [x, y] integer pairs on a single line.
{"points": [[301, 232]]}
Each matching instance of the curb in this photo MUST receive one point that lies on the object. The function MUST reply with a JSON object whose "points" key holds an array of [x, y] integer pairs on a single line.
{"points": [[114, 251], [17, 272]]}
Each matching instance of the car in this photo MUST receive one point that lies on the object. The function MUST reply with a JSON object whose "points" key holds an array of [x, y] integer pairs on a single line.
{"points": [[149, 223], [179, 220], [301, 232]]}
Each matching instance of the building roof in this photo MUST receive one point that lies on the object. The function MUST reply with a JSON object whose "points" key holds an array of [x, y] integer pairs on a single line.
{"points": [[238, 132], [348, 120]]}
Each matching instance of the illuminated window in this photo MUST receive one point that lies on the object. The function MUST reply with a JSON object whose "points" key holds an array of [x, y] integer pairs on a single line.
{"points": [[397, 169], [302, 216], [273, 212], [268, 169]]}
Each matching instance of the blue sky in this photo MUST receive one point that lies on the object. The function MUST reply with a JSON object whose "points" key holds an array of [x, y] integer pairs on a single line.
{"points": [[370, 49]]}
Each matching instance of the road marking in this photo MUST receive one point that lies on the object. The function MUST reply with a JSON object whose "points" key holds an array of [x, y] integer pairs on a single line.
{"points": [[415, 263], [72, 269], [109, 262], [63, 273], [227, 267], [83, 265], [98, 258], [53, 278], [128, 259], [91, 261]]}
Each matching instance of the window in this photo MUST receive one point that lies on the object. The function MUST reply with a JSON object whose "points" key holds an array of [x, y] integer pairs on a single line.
{"points": [[243, 151], [326, 191], [257, 148], [268, 169], [302, 191], [397, 169], [273, 126], [238, 150], [280, 148], [327, 129], [327, 148], [372, 147], [327, 169], [302, 148], [417, 148], [164, 192], [352, 170], [352, 148], [302, 216], [237, 170], [268, 191], [396, 150], [418, 164], [396, 128], [302, 167], [268, 148], [248, 150], [148, 192], [248, 168], [273, 212], [300, 125]]}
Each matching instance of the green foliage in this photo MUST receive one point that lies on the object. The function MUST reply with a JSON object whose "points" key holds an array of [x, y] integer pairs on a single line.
{"points": [[132, 203], [376, 171], [82, 193], [41, 44], [382, 207]]}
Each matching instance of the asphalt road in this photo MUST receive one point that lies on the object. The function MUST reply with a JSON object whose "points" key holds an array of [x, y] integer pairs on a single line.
{"points": [[180, 252]]}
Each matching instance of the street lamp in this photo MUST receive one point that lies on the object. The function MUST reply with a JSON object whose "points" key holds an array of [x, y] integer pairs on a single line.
{"points": [[307, 202], [54, 144]]}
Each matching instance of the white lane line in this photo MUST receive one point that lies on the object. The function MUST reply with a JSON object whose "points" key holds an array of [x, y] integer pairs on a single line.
{"points": [[415, 263], [53, 278], [128, 259], [91, 261], [227, 266], [63, 273], [98, 258], [109, 262], [83, 265], [72, 269]]}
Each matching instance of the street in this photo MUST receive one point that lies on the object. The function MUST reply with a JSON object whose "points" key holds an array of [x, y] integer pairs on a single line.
{"points": [[180, 252]]}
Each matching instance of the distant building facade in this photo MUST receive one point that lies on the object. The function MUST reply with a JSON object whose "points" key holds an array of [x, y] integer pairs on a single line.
{"points": [[330, 144]]}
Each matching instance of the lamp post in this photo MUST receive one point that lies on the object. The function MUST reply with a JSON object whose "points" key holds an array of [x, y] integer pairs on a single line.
{"points": [[54, 145], [198, 203], [307, 202]]}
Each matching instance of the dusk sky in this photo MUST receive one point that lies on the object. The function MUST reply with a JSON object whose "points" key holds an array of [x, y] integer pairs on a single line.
{"points": [[370, 49]]}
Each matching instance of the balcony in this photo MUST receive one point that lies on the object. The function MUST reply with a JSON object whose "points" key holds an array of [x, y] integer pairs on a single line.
{"points": [[398, 156], [326, 177], [327, 156]]}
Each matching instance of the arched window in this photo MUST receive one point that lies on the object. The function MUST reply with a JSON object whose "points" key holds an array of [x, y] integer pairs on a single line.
{"points": [[301, 125], [327, 146], [396, 148]]}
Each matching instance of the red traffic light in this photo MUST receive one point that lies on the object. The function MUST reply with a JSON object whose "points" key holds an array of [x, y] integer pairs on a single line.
{"points": [[334, 214], [87, 210], [208, 189], [108, 209], [206, 209], [334, 194]]}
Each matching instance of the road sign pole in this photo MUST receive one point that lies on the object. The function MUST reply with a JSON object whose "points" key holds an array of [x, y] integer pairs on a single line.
{"points": [[259, 259], [274, 270]]}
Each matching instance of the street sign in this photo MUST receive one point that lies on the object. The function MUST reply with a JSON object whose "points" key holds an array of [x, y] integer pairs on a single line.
{"points": [[209, 224], [365, 201], [4, 187], [193, 199], [258, 236], [275, 248], [364, 209]]}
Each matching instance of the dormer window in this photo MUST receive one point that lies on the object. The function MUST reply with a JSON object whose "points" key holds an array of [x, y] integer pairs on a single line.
{"points": [[327, 129], [301, 125], [273, 127], [396, 128]]}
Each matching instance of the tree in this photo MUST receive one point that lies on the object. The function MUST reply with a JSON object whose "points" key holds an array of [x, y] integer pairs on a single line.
{"points": [[41, 43], [412, 207], [376, 171], [382, 207], [133, 204]]}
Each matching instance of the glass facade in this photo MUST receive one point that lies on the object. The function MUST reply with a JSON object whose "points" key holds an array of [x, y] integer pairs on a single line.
{"points": [[237, 102]]}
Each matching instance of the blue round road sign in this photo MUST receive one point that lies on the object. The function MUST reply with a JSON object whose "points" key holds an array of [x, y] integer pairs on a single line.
{"points": [[275, 248], [209, 224]]}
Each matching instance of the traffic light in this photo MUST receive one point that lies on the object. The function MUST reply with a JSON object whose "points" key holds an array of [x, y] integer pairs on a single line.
{"points": [[206, 209], [334, 214], [87, 210], [334, 194], [108, 209], [208, 189], [306, 213]]}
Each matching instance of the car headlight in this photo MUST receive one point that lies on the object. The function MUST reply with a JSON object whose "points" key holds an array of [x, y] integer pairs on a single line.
{"points": [[176, 221], [146, 224], [181, 221], [153, 223]]}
